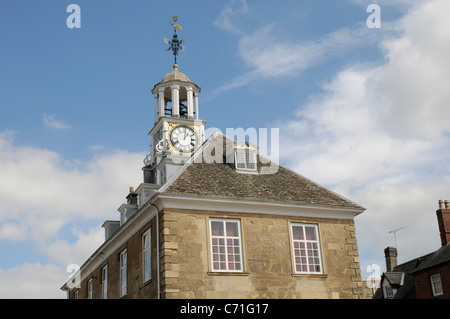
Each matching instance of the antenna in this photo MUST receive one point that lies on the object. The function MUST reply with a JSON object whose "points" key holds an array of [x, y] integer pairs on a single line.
{"points": [[394, 232]]}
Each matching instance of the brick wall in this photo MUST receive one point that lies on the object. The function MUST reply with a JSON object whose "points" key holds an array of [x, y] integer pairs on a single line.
{"points": [[443, 216], [422, 282]]}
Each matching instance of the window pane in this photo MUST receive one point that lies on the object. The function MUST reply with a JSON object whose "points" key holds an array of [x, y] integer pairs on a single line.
{"points": [[310, 233], [146, 241], [232, 229], [250, 160], [297, 232], [240, 158], [217, 228]]}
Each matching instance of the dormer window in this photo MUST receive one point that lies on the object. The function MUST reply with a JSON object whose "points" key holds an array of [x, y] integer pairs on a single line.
{"points": [[245, 157]]}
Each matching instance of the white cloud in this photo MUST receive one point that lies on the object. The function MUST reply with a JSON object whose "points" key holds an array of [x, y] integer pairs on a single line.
{"points": [[51, 121], [232, 10], [42, 194], [380, 135], [39, 185], [32, 281], [66, 253], [268, 56]]}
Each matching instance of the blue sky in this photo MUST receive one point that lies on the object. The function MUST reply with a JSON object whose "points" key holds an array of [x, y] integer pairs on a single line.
{"points": [[361, 111]]}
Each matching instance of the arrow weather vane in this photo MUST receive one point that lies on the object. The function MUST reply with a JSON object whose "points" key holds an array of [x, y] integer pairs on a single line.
{"points": [[175, 45]]}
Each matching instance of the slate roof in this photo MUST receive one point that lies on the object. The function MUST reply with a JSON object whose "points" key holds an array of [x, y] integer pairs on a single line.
{"points": [[440, 256], [394, 278], [222, 180], [407, 291]]}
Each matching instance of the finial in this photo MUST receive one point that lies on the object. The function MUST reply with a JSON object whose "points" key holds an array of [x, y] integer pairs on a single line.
{"points": [[175, 44]]}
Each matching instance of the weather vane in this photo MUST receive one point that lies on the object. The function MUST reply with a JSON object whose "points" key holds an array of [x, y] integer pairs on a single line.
{"points": [[175, 44]]}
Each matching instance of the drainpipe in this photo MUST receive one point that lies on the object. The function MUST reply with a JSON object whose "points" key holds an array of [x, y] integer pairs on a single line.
{"points": [[157, 250]]}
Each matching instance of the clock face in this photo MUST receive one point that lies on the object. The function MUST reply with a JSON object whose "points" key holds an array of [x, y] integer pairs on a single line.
{"points": [[183, 138]]}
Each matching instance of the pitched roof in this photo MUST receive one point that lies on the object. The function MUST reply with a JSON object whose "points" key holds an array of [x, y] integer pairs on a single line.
{"points": [[440, 256], [407, 290], [220, 179]]}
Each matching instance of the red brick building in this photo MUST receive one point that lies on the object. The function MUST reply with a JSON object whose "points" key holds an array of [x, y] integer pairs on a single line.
{"points": [[426, 277], [432, 277]]}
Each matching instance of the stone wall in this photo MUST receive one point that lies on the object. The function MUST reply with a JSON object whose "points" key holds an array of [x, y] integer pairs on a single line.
{"points": [[136, 288], [268, 266], [267, 259]]}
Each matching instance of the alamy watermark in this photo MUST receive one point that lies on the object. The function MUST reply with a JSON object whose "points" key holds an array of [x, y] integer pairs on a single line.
{"points": [[373, 280], [373, 20], [259, 147], [74, 19], [74, 280]]}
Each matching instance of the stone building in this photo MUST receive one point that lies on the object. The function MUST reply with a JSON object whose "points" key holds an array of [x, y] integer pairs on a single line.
{"points": [[216, 219]]}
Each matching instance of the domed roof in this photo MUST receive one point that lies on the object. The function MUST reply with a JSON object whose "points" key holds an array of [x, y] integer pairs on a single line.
{"points": [[176, 75]]}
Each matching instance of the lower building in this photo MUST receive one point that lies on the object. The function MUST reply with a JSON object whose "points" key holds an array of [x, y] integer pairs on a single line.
{"points": [[425, 277]]}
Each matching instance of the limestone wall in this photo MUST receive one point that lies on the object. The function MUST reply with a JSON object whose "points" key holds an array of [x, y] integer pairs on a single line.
{"points": [[267, 254]]}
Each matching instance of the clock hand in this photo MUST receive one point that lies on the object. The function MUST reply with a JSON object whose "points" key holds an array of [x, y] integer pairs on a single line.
{"points": [[187, 139]]}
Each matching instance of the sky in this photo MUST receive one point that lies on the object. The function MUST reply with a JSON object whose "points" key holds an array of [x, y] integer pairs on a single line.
{"points": [[362, 111]]}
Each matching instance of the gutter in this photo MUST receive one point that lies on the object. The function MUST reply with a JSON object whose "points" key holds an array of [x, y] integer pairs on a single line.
{"points": [[157, 251]]}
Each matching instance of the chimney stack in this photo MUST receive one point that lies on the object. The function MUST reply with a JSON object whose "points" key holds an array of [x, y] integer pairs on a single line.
{"points": [[443, 217], [390, 253], [132, 197]]}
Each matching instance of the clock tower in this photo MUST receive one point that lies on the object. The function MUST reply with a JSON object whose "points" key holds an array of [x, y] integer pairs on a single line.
{"points": [[177, 131]]}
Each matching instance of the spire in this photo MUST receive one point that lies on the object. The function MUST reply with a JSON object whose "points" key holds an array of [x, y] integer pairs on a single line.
{"points": [[175, 44]]}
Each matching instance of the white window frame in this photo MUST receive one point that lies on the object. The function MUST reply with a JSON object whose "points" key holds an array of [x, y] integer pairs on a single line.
{"points": [[250, 159], [436, 285], [301, 248], [75, 295], [123, 273], [226, 244], [105, 282], [146, 256], [90, 288]]}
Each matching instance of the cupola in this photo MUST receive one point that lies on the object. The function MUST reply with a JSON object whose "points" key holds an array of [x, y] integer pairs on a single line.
{"points": [[176, 96]]}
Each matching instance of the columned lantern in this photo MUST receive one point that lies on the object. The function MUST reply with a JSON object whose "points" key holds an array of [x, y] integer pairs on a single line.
{"points": [[178, 130]]}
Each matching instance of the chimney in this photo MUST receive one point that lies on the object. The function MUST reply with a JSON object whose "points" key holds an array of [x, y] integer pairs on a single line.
{"points": [[443, 217], [390, 253], [132, 197], [127, 210]]}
